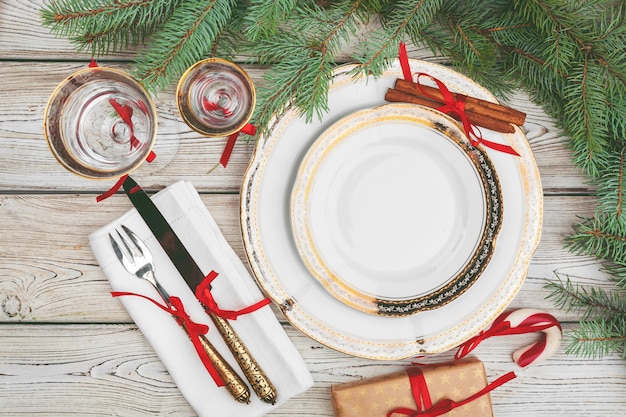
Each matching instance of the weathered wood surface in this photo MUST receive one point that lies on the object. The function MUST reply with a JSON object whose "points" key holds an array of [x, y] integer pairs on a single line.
{"points": [[68, 348]]}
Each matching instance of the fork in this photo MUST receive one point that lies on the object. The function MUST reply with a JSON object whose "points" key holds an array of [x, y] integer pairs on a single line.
{"points": [[137, 259]]}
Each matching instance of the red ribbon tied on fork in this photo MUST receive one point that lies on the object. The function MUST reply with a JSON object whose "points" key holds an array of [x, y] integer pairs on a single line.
{"points": [[195, 330], [451, 106]]}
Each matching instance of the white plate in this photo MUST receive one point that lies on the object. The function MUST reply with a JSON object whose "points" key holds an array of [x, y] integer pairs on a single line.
{"points": [[279, 270], [390, 210]]}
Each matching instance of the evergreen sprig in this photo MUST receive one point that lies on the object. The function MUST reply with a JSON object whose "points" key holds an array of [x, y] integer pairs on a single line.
{"points": [[601, 330], [568, 55]]}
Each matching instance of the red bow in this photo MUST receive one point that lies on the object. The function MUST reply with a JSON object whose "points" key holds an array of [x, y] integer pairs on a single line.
{"points": [[195, 330], [204, 295], [451, 105]]}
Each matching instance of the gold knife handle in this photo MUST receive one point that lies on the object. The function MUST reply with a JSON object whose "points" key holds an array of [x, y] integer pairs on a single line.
{"points": [[233, 382], [260, 383]]}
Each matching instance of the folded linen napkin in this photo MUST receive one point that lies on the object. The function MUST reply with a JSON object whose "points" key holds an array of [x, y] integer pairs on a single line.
{"points": [[233, 289]]}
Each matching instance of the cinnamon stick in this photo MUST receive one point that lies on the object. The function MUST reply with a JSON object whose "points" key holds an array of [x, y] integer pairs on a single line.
{"points": [[474, 118], [472, 104]]}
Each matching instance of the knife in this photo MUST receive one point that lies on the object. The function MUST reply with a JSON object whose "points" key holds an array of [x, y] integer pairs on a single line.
{"points": [[193, 276]]}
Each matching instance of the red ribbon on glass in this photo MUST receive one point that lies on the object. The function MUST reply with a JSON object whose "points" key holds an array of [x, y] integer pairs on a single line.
{"points": [[195, 330], [521, 321], [451, 106], [424, 407], [248, 129], [126, 113], [204, 295]]}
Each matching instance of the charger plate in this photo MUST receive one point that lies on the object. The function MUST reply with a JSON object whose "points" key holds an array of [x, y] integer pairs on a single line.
{"points": [[307, 305], [394, 211]]}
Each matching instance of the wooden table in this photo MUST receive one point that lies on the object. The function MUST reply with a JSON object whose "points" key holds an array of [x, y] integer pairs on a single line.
{"points": [[68, 348]]}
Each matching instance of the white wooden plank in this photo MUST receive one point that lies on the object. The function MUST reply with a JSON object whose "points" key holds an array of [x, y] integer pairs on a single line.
{"points": [[50, 272], [110, 370]]}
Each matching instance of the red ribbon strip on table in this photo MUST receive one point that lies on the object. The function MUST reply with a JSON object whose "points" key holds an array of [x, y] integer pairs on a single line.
{"points": [[502, 327], [451, 105], [421, 396], [194, 329], [248, 129], [203, 293]]}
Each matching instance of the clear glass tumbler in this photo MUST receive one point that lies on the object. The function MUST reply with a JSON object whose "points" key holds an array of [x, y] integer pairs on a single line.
{"points": [[215, 97], [100, 123]]}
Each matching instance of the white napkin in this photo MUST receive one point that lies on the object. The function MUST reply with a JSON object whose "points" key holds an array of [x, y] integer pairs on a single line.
{"points": [[233, 289]]}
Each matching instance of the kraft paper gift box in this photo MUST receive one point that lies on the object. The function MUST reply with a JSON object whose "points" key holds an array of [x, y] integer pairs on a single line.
{"points": [[378, 396]]}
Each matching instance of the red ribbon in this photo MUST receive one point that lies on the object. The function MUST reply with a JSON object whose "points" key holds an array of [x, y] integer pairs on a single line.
{"points": [[203, 293], [248, 129], [195, 330], [502, 327], [446, 405], [451, 105], [126, 113]]}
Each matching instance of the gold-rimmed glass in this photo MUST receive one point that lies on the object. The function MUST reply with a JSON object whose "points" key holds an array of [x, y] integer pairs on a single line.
{"points": [[215, 97], [100, 123]]}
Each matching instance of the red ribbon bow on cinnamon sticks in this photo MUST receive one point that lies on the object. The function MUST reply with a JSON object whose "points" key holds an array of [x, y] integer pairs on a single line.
{"points": [[484, 113]]}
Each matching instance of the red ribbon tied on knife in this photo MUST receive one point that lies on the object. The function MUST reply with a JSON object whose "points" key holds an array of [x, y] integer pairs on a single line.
{"points": [[204, 295], [452, 106], [195, 330]]}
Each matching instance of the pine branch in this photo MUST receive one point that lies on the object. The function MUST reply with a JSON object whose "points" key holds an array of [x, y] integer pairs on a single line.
{"points": [[598, 338], [400, 20], [592, 303], [265, 17], [187, 37], [304, 57], [107, 26]]}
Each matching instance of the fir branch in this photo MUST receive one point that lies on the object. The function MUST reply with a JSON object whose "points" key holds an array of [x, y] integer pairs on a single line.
{"points": [[593, 303], [187, 37], [399, 20], [265, 17], [304, 57], [598, 338], [107, 26], [602, 328]]}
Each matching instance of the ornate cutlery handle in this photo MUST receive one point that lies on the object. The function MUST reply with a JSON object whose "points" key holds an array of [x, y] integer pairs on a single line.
{"points": [[234, 384], [260, 383]]}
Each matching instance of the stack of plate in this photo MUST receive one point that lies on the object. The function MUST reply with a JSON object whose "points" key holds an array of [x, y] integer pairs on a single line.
{"points": [[380, 230]]}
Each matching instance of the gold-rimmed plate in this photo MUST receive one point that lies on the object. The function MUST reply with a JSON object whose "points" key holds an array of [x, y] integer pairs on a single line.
{"points": [[307, 305], [394, 211]]}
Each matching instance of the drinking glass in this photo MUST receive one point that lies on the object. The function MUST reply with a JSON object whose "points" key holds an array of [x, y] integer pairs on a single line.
{"points": [[100, 123], [215, 97]]}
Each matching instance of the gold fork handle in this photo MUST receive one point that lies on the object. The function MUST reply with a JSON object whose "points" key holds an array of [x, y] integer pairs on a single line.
{"points": [[260, 383], [233, 382]]}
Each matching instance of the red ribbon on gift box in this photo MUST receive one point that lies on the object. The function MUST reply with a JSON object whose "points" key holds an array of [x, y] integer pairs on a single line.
{"points": [[177, 310], [421, 396], [451, 106]]}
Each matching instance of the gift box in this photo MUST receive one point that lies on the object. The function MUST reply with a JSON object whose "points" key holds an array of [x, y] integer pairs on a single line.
{"points": [[429, 390]]}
